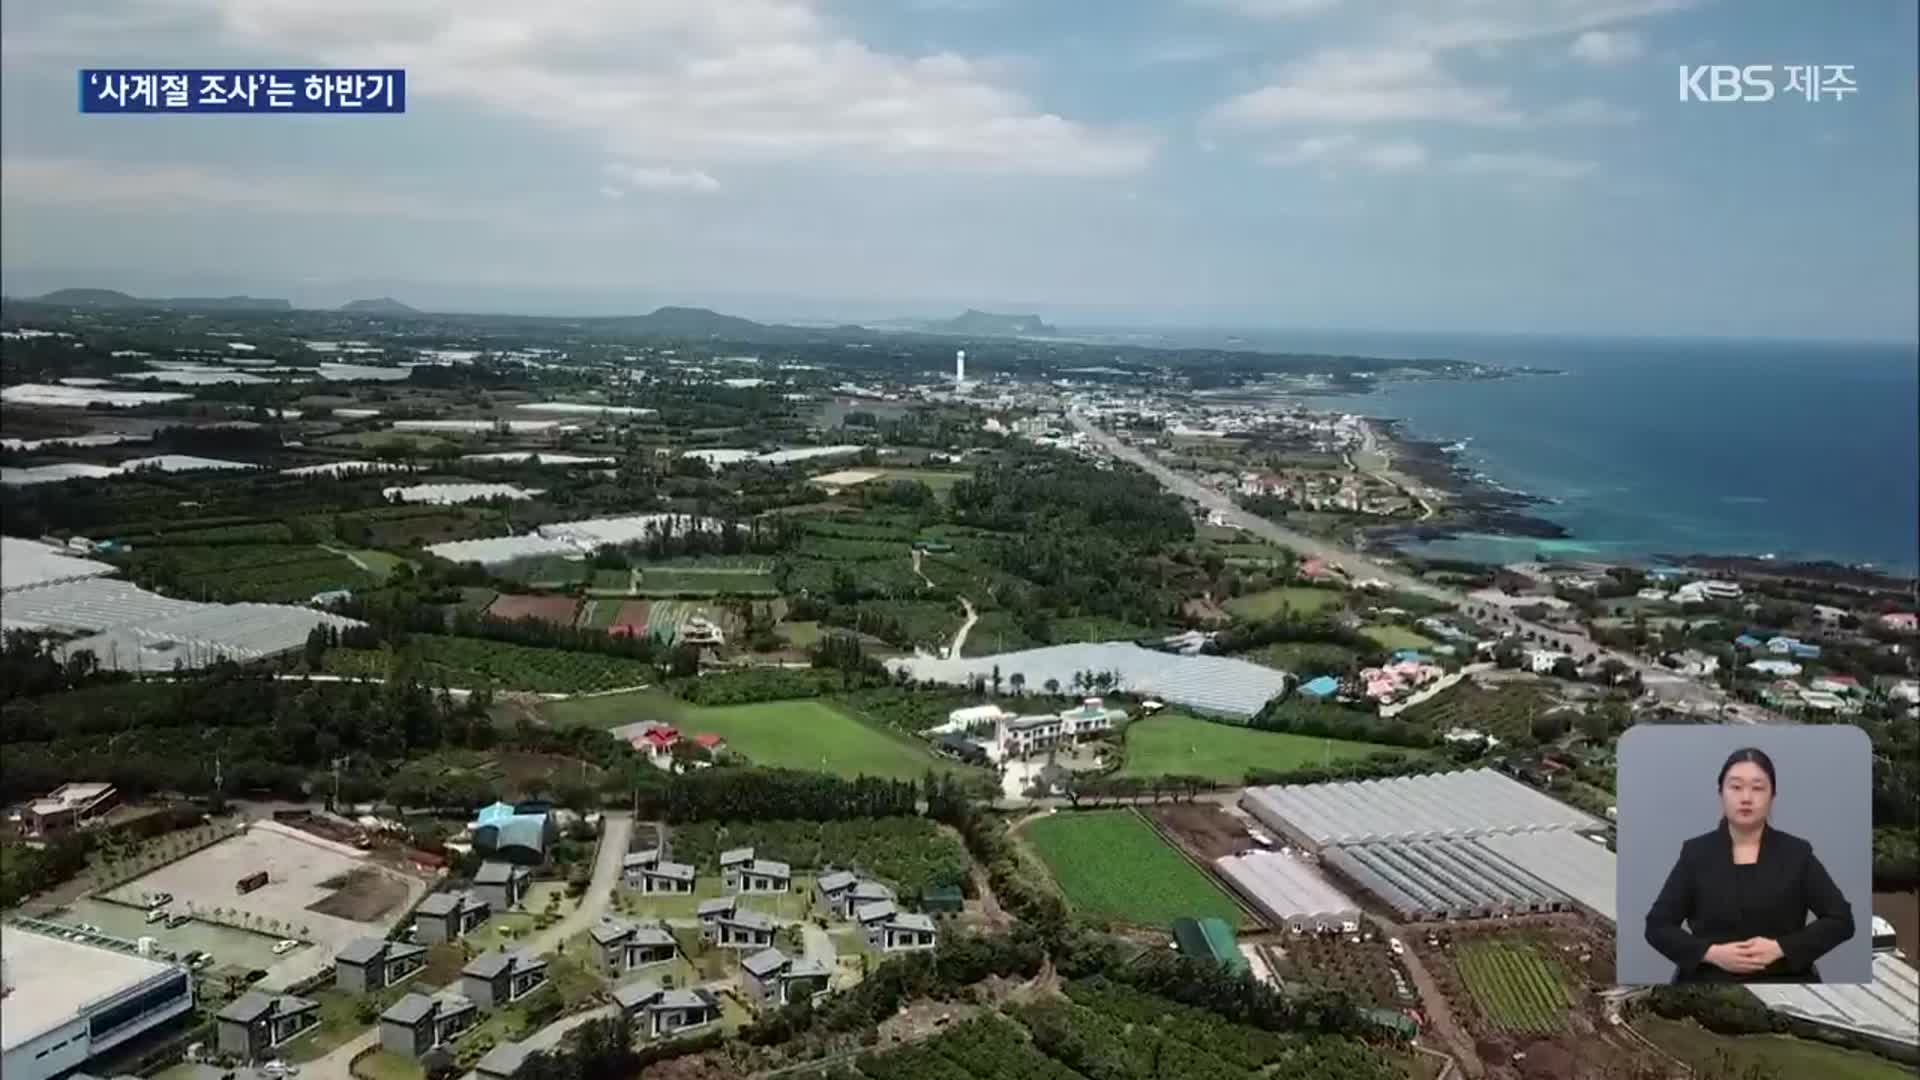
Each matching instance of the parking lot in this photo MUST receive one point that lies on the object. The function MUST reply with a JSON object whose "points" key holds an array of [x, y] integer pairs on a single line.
{"points": [[297, 873]]}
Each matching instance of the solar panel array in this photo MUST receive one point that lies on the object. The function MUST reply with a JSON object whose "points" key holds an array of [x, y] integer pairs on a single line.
{"points": [[1216, 685], [1430, 807], [1287, 891]]}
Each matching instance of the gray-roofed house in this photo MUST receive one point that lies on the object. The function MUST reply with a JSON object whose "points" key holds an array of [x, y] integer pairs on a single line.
{"points": [[417, 1023], [634, 863], [744, 930], [710, 912], [889, 929], [449, 916], [759, 876], [501, 1062], [772, 978], [864, 893], [253, 1024], [830, 892], [369, 965], [731, 862], [622, 946], [502, 884], [499, 978], [656, 1011], [666, 878]]}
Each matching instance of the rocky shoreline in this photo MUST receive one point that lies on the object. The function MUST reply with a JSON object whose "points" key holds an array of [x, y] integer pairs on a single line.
{"points": [[1474, 505]]}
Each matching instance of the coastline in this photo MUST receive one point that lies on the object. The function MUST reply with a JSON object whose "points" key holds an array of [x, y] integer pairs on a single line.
{"points": [[1475, 504]]}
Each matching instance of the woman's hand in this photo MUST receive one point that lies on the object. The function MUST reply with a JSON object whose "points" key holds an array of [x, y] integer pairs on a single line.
{"points": [[1739, 957], [1764, 949]]}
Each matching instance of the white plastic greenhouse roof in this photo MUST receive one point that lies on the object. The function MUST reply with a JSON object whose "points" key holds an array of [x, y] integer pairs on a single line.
{"points": [[1208, 684], [25, 564], [89, 605], [213, 632], [1432, 806], [502, 549], [1580, 868], [452, 494], [1285, 888], [592, 533], [1885, 1007]]}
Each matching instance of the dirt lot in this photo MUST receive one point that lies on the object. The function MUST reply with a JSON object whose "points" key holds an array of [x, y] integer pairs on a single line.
{"points": [[554, 609], [1902, 909], [1204, 829], [362, 895]]}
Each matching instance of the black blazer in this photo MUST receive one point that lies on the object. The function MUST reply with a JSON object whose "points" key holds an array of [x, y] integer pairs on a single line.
{"points": [[1704, 890]]}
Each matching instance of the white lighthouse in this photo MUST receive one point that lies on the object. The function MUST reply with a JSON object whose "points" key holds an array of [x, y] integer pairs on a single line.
{"points": [[960, 367]]}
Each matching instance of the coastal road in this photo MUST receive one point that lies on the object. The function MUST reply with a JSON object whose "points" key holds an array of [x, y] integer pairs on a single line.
{"points": [[1657, 679]]}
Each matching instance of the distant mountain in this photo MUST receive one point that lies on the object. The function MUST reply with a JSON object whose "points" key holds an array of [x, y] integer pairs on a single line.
{"points": [[91, 298], [386, 305], [988, 324], [689, 322], [111, 298]]}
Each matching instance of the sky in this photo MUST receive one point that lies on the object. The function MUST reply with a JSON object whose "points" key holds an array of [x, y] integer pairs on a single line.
{"points": [[1502, 166]]}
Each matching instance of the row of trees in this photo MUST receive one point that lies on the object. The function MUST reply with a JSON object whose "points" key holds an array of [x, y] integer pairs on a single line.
{"points": [[774, 794]]}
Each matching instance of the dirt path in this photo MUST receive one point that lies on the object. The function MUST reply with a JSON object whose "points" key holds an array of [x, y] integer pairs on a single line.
{"points": [[960, 637], [356, 560], [1440, 1019], [917, 571]]}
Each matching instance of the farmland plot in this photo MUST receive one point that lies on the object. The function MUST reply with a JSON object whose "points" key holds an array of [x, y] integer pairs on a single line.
{"points": [[1518, 989], [1111, 864]]}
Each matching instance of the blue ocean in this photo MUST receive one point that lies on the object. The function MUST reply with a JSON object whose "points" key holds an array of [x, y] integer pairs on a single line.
{"points": [[1799, 450]]}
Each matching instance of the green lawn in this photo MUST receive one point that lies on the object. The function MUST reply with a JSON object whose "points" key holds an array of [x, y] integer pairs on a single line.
{"points": [[1788, 1055], [1265, 605], [1178, 744], [338, 1026], [1396, 637], [1112, 865], [801, 635], [706, 886], [387, 1065], [803, 734], [380, 562]]}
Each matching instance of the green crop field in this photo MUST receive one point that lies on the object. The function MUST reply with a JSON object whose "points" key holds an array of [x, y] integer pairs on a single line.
{"points": [[939, 482], [273, 573], [682, 581], [468, 662], [1517, 987], [1304, 658], [1396, 637], [803, 734], [1176, 744], [1265, 605], [1784, 1053], [1111, 864], [1505, 711]]}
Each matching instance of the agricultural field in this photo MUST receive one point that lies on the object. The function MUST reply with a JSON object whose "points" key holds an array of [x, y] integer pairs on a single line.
{"points": [[805, 734], [940, 481], [558, 610], [599, 613], [1301, 600], [418, 442], [545, 571], [272, 573], [1366, 970], [912, 854], [1111, 864], [801, 635], [471, 662], [1177, 744], [702, 581], [1790, 1056], [1097, 628], [1505, 711], [1396, 637], [1517, 988], [1304, 658]]}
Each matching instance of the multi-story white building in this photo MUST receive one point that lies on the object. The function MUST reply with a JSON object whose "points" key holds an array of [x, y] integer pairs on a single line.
{"points": [[66, 1001], [1018, 736]]}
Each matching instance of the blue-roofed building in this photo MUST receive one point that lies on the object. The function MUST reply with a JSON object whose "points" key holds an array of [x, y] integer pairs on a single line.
{"points": [[506, 832], [1411, 656], [1748, 641], [1804, 651], [1320, 688]]}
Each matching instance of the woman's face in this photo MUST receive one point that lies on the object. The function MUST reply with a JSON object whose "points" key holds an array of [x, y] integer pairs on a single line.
{"points": [[1746, 796]]}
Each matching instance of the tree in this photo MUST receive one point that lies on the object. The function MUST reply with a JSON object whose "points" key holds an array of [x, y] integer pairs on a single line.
{"points": [[1053, 687], [1019, 682]]}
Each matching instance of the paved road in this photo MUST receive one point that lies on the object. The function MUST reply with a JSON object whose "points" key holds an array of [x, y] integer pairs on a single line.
{"points": [[1658, 679], [960, 637], [616, 832]]}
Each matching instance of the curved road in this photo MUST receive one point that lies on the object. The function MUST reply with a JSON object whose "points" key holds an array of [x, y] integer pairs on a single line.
{"points": [[1358, 566], [616, 832]]}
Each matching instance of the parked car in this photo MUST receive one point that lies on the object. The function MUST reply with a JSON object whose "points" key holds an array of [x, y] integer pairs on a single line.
{"points": [[175, 921], [285, 946], [157, 915]]}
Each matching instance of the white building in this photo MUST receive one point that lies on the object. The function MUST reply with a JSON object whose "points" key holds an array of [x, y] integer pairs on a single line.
{"points": [[1021, 735], [67, 1002]]}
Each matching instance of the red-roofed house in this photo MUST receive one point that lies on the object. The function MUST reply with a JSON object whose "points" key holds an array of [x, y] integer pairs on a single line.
{"points": [[657, 741], [1315, 568], [710, 742], [1905, 621]]}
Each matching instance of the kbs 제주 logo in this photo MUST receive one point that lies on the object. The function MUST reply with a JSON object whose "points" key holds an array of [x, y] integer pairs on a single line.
{"points": [[1766, 82]]}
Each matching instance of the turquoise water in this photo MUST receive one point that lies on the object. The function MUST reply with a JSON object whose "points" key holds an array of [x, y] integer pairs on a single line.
{"points": [[1801, 450]]}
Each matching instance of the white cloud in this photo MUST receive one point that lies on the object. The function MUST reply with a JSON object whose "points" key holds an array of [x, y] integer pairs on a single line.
{"points": [[1337, 151], [650, 178], [1452, 24], [76, 182], [1588, 112], [1359, 87], [672, 81], [1606, 47], [1522, 166], [1271, 9]]}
